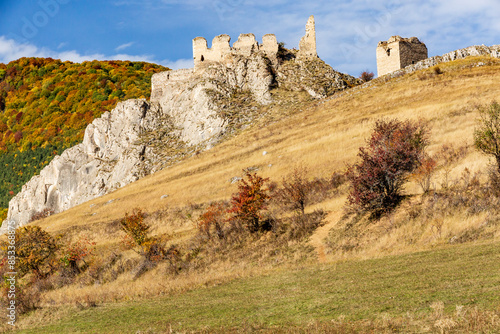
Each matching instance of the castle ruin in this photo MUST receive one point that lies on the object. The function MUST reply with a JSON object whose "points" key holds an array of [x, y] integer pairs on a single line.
{"points": [[399, 52], [246, 45]]}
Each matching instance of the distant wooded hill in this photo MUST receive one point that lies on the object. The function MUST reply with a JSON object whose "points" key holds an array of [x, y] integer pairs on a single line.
{"points": [[45, 105]]}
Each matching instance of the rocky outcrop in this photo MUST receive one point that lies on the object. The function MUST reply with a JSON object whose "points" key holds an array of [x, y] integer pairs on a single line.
{"points": [[477, 50], [193, 98], [189, 110], [107, 159], [314, 76]]}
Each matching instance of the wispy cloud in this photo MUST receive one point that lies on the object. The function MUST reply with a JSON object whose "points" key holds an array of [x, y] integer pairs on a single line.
{"points": [[12, 50], [347, 31], [124, 46], [177, 64]]}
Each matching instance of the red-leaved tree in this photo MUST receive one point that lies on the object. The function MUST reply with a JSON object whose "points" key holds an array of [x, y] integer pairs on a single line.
{"points": [[250, 200], [394, 150], [212, 220]]}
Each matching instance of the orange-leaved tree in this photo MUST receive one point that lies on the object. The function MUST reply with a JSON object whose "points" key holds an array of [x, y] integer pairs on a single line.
{"points": [[251, 198], [35, 251], [135, 228]]}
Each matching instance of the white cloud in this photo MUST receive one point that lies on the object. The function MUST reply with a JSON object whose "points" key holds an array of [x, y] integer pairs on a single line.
{"points": [[347, 31], [124, 46], [177, 64], [11, 50]]}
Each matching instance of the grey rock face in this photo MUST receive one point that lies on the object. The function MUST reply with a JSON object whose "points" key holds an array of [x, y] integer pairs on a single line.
{"points": [[108, 158], [193, 98]]}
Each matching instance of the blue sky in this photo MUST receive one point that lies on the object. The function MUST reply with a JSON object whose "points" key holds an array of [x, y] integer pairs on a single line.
{"points": [[161, 31]]}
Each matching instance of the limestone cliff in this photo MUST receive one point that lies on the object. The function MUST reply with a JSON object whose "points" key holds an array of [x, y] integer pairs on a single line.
{"points": [[189, 110]]}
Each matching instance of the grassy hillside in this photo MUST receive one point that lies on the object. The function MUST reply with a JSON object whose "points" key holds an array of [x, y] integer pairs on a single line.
{"points": [[45, 105], [421, 292], [430, 266]]}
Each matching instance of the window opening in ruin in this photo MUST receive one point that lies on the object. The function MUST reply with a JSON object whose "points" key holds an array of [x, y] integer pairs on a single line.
{"points": [[388, 52], [202, 58]]}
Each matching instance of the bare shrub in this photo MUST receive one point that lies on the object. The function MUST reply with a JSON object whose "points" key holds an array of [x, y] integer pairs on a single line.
{"points": [[41, 214], [423, 174], [295, 190]]}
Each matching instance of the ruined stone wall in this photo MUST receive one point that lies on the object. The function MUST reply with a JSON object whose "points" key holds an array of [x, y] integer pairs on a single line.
{"points": [[411, 52], [220, 48], [159, 81], [270, 45], [246, 45], [398, 52], [307, 45]]}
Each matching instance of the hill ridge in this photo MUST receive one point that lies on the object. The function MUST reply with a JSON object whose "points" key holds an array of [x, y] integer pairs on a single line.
{"points": [[189, 111]]}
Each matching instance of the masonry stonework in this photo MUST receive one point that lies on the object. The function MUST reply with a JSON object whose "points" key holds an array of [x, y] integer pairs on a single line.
{"points": [[307, 45], [246, 45], [398, 52]]}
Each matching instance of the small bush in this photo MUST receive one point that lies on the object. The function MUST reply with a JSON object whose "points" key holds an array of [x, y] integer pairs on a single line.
{"points": [[137, 235], [211, 222], [41, 214], [423, 174], [295, 190], [135, 228], [366, 76], [77, 252], [437, 70]]}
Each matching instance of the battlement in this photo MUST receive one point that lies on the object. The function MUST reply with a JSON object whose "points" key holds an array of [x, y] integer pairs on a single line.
{"points": [[398, 52], [246, 45]]}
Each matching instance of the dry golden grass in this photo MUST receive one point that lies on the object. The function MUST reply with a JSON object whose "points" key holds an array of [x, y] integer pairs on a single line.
{"points": [[320, 135]]}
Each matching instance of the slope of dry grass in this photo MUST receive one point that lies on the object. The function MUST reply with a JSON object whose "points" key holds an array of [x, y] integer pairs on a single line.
{"points": [[321, 135]]}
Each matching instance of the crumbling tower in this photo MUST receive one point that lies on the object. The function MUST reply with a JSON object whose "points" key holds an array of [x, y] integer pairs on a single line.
{"points": [[307, 45], [399, 52]]}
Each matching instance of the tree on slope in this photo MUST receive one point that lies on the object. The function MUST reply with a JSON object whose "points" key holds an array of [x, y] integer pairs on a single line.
{"points": [[394, 150], [250, 200], [487, 134]]}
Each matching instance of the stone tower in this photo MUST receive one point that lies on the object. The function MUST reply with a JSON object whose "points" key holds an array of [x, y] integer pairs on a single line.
{"points": [[398, 52], [307, 45]]}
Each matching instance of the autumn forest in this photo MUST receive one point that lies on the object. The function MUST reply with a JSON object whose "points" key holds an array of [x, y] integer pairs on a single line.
{"points": [[45, 105]]}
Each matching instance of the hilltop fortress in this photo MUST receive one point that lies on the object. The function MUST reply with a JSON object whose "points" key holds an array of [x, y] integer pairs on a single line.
{"points": [[246, 45], [190, 111]]}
